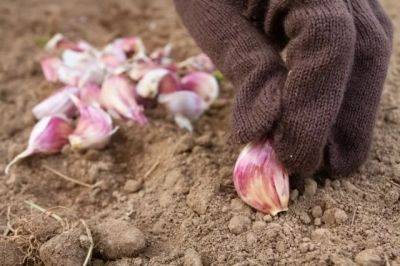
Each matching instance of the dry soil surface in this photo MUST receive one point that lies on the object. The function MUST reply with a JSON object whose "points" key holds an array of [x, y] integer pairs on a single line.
{"points": [[166, 197]]}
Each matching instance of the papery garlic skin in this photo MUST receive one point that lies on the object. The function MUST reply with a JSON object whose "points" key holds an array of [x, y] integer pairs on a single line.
{"points": [[204, 84], [260, 179], [58, 103], [157, 81], [48, 136], [186, 106], [118, 97], [94, 127]]}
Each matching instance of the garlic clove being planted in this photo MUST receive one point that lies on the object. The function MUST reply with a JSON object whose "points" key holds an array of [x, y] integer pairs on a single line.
{"points": [[94, 127], [157, 81], [58, 103], [260, 179], [48, 136], [185, 106], [204, 84], [118, 97]]}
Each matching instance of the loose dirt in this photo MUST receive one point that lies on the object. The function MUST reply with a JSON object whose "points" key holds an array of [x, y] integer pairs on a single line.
{"points": [[163, 196]]}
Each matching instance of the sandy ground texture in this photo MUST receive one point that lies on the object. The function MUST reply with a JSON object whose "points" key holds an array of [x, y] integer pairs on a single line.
{"points": [[166, 197]]}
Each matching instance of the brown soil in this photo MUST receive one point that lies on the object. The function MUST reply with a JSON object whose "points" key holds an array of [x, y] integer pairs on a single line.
{"points": [[185, 211]]}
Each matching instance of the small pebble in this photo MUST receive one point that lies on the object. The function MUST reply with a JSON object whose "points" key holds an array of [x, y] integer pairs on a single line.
{"points": [[132, 185], [304, 217], [304, 247], [192, 258], [316, 212], [368, 257], [259, 225], [251, 238], [320, 234], [267, 218], [184, 144], [317, 221], [310, 187], [392, 197], [340, 216], [239, 224]]}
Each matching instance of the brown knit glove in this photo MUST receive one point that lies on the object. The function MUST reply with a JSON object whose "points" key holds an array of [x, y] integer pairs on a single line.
{"points": [[323, 100]]}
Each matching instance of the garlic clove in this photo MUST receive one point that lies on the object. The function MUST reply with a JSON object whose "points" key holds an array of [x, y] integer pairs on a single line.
{"points": [[260, 179], [48, 136], [157, 81], [94, 127], [132, 46], [140, 67], [118, 97], [200, 62], [90, 94], [58, 103], [183, 104], [50, 66], [203, 84]]}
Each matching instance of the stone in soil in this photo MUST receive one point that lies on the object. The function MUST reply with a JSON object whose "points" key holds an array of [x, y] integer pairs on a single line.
{"points": [[10, 254], [392, 197], [64, 249], [316, 212], [117, 239], [334, 216], [192, 258], [239, 224], [368, 257], [310, 187], [132, 185], [320, 235]]}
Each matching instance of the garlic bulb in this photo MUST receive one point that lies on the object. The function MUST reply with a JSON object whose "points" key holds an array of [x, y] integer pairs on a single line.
{"points": [[260, 179]]}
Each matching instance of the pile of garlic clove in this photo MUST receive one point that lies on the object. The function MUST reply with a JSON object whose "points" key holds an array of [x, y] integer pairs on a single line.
{"points": [[116, 82]]}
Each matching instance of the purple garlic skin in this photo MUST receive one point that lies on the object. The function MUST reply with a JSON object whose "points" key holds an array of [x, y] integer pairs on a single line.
{"points": [[202, 83], [260, 179]]}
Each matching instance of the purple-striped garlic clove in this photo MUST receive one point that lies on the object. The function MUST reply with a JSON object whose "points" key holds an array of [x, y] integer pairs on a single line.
{"points": [[199, 62], [94, 127], [202, 83], [118, 97], [132, 46], [57, 103], [260, 179], [157, 81], [50, 67], [185, 106], [90, 94], [48, 136]]}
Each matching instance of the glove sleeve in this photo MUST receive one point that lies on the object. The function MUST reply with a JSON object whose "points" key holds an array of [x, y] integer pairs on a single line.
{"points": [[245, 55]]}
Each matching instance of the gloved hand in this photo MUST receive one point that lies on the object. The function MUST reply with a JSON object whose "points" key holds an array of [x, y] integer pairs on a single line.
{"points": [[322, 101]]}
